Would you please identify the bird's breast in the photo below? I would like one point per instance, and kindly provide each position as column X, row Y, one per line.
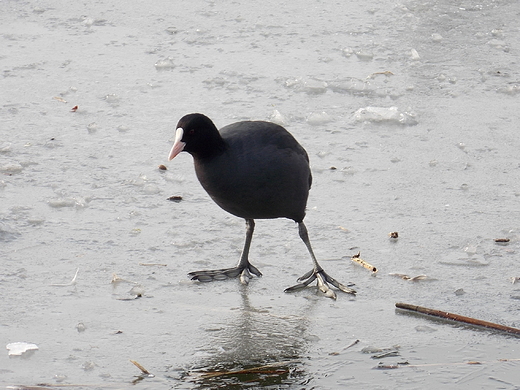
column 252, row 185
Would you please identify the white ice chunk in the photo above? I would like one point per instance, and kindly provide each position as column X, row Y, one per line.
column 165, row 64
column 347, row 52
column 310, row 86
column 19, row 348
column 318, row 118
column 92, row 127
column 5, row 147
column 77, row 202
column 510, row 89
column 278, row 118
column 10, row 168
column 112, row 99
column 436, row 37
column 364, row 55
column 384, row 114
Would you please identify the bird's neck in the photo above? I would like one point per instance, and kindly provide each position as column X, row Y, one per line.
column 210, row 149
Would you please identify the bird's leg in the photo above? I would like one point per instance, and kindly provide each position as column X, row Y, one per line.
column 317, row 273
column 244, row 265
column 244, row 268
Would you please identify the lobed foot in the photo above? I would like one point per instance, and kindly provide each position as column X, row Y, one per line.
column 322, row 279
column 244, row 272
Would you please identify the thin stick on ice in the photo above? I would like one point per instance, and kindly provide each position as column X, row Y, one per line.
column 457, row 317
column 144, row 371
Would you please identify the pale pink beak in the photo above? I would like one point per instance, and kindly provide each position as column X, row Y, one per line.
column 178, row 145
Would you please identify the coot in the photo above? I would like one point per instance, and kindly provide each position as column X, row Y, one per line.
column 254, row 170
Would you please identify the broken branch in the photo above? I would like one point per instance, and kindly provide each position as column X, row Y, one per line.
column 457, row 317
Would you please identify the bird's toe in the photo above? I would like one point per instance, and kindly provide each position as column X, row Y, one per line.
column 338, row 285
column 243, row 272
column 322, row 281
column 324, row 287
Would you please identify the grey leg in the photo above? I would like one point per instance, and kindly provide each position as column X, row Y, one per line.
column 317, row 273
column 244, row 268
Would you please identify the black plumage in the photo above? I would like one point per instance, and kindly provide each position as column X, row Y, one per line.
column 254, row 170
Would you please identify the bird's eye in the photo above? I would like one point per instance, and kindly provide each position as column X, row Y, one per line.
column 191, row 131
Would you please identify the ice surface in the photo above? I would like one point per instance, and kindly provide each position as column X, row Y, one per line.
column 423, row 142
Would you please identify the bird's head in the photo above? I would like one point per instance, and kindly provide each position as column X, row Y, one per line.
column 197, row 135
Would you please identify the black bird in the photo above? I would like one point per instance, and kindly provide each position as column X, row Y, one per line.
column 254, row 170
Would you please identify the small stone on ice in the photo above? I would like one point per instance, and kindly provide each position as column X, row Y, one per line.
column 459, row 292
column 81, row 327
column 88, row 366
column 138, row 291
column 171, row 30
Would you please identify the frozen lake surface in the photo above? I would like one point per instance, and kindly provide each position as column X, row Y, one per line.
column 409, row 113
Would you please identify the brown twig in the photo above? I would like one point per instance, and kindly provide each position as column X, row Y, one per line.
column 363, row 263
column 261, row 369
column 457, row 317
column 351, row 345
column 344, row 349
column 143, row 370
